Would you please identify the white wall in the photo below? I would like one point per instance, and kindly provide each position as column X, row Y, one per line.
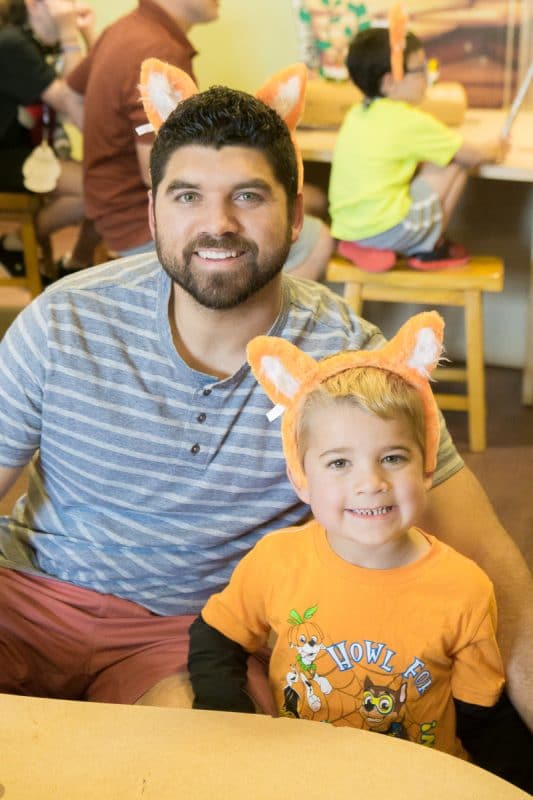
column 250, row 40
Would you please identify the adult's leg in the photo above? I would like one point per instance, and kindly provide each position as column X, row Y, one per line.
column 175, row 691
column 82, row 255
column 64, row 206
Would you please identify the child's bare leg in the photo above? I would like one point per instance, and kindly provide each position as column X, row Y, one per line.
column 449, row 183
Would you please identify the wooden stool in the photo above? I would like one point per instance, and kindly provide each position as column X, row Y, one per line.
column 462, row 286
column 21, row 208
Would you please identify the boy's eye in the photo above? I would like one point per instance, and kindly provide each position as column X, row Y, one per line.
column 338, row 463
column 394, row 458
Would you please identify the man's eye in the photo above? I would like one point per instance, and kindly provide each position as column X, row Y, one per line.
column 249, row 197
column 186, row 197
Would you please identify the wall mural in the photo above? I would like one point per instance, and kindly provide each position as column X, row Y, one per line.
column 486, row 45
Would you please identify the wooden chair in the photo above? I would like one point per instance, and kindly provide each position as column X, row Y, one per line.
column 461, row 286
column 21, row 209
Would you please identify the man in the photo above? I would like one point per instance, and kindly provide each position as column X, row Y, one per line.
column 154, row 467
column 116, row 160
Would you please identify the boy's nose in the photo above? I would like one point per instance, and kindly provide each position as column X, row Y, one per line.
column 370, row 481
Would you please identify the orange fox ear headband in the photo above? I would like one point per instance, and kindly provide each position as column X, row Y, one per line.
column 397, row 34
column 163, row 87
column 288, row 375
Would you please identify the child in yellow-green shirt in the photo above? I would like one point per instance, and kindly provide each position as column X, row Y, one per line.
column 397, row 172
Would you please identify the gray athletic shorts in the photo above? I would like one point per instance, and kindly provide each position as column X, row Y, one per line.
column 419, row 231
column 304, row 244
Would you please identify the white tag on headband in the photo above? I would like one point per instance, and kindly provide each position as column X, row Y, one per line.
column 275, row 412
column 140, row 130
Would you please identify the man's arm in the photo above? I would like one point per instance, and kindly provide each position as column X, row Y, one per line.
column 459, row 512
column 217, row 667
column 62, row 98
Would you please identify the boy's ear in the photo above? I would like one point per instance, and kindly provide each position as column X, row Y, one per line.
column 301, row 491
column 387, row 84
column 428, row 480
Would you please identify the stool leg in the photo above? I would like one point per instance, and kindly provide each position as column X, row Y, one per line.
column 353, row 294
column 31, row 258
column 475, row 371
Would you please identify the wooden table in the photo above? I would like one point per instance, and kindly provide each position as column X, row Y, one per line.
column 480, row 124
column 60, row 750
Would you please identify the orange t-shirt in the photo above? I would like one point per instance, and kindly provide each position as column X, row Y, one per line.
column 384, row 650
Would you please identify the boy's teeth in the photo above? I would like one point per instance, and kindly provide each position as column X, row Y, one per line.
column 371, row 512
column 217, row 254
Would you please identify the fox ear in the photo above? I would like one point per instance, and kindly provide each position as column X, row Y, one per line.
column 285, row 93
column 280, row 367
column 417, row 347
column 397, row 34
column 162, row 88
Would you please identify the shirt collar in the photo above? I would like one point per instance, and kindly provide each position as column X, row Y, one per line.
column 153, row 11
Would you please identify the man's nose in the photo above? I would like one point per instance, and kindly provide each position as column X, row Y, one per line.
column 221, row 218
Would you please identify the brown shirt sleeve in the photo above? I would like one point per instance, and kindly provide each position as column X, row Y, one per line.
column 78, row 77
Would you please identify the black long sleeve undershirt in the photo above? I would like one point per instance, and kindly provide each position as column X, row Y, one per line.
column 217, row 666
column 497, row 740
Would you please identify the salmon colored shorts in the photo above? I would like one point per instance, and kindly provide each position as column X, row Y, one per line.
column 59, row 640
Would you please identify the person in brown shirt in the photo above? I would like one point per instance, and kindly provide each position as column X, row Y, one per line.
column 116, row 169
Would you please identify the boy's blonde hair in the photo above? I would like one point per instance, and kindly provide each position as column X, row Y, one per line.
column 289, row 375
column 376, row 391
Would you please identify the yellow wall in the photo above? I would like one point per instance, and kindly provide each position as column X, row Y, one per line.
column 251, row 39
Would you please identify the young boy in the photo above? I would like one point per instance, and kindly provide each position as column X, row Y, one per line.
column 379, row 626
column 385, row 198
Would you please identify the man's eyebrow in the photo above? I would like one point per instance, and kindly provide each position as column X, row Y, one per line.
column 177, row 184
column 253, row 183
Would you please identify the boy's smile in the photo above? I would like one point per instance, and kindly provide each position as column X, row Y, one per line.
column 365, row 484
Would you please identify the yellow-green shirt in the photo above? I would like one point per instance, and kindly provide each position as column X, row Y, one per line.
column 377, row 152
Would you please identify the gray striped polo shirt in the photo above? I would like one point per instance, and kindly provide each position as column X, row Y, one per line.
column 148, row 480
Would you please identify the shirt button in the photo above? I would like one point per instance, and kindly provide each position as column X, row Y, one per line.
column 201, row 417
column 195, row 449
column 206, row 392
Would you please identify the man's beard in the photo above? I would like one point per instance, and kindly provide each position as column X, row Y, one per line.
column 225, row 289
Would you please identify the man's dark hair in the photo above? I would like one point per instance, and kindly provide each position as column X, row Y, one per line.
column 221, row 117
column 368, row 58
